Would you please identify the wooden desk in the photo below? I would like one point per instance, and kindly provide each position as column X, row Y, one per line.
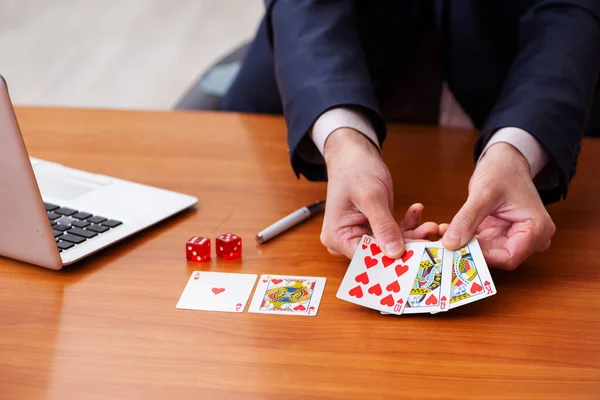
column 107, row 328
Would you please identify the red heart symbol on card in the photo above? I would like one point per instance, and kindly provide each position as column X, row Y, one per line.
column 238, row 306
column 217, row 290
column 443, row 298
column 375, row 249
column 299, row 307
column 276, row 281
column 362, row 278
column 370, row 262
column 265, row 280
column 393, row 287
column 376, row 290
column 401, row 270
column 356, row 292
column 400, row 301
column 387, row 301
column 431, row 300
column 486, row 283
column 407, row 254
column 387, row 261
column 311, row 309
column 476, row 288
column 364, row 246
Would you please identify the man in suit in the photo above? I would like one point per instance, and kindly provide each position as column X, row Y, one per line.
column 525, row 72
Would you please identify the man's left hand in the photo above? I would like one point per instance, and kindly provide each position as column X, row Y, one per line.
column 504, row 209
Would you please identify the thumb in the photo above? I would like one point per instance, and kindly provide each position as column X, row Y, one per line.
column 465, row 222
column 385, row 229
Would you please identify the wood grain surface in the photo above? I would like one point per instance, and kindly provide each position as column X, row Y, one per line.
column 107, row 328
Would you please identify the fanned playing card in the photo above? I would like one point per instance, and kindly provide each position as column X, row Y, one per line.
column 376, row 281
column 217, row 291
column 427, row 294
column 288, row 295
column 470, row 278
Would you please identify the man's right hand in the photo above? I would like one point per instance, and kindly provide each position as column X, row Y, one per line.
column 360, row 199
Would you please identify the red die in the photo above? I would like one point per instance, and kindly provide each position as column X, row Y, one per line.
column 197, row 249
column 228, row 246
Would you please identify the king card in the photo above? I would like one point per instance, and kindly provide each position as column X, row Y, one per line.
column 470, row 278
column 287, row 295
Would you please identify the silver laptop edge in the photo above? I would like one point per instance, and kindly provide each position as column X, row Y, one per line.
column 25, row 232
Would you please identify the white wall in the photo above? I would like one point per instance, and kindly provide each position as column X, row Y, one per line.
column 116, row 53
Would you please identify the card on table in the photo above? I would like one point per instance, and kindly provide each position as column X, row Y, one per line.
column 217, row 291
column 376, row 281
column 287, row 295
column 429, row 292
column 470, row 278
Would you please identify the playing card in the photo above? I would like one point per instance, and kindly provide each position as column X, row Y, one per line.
column 434, row 270
column 287, row 295
column 376, row 281
column 470, row 278
column 217, row 291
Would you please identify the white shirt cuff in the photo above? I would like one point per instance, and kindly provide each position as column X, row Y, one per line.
column 341, row 117
column 523, row 141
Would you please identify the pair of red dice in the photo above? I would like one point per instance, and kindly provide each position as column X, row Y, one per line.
column 227, row 246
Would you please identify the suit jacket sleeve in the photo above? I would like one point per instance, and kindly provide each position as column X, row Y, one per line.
column 319, row 64
column 550, row 87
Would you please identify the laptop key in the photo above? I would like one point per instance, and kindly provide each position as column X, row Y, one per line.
column 52, row 216
column 61, row 227
column 111, row 223
column 56, row 233
column 72, row 238
column 65, row 211
column 64, row 245
column 97, row 228
column 66, row 221
column 83, row 233
column 81, row 215
column 96, row 219
column 80, row 224
column 50, row 207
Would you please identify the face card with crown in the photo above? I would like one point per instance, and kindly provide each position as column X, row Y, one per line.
column 470, row 278
column 427, row 294
column 288, row 295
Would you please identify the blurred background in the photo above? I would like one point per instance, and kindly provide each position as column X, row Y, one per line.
column 135, row 54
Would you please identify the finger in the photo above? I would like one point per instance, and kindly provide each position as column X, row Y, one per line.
column 412, row 219
column 516, row 249
column 443, row 229
column 385, row 229
column 343, row 241
column 464, row 224
column 423, row 231
column 544, row 246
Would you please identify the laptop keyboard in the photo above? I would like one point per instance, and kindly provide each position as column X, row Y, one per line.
column 73, row 227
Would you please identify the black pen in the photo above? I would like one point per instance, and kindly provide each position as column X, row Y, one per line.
column 289, row 221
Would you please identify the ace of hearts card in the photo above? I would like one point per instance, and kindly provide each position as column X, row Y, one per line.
column 287, row 295
column 217, row 291
column 379, row 282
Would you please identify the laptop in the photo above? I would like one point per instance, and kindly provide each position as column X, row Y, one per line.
column 52, row 215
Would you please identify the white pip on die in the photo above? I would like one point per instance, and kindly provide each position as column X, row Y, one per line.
column 228, row 246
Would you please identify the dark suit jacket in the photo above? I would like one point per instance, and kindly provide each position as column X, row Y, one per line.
column 531, row 64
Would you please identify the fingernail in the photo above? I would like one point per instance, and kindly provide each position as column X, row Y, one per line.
column 393, row 249
column 451, row 240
